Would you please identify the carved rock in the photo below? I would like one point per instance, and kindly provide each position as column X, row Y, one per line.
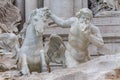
column 102, row 68
column 6, row 62
column 9, row 15
column 55, row 51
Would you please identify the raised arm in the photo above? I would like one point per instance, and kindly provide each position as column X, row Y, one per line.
column 62, row 23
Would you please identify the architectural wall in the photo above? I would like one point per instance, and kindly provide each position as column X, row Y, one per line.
column 65, row 8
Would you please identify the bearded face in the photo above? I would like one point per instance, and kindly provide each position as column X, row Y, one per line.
column 84, row 15
column 84, row 19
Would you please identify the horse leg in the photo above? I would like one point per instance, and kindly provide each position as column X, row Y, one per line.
column 24, row 65
column 48, row 63
column 64, row 63
column 48, row 68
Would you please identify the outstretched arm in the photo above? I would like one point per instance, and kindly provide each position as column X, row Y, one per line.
column 62, row 23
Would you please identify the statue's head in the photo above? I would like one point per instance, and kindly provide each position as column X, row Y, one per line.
column 85, row 14
column 38, row 19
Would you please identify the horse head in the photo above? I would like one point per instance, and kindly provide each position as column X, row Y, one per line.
column 38, row 19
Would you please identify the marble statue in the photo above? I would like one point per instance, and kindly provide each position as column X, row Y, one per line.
column 29, row 58
column 82, row 33
column 105, row 8
column 3, row 28
column 9, row 43
column 55, row 51
column 113, row 4
column 10, row 15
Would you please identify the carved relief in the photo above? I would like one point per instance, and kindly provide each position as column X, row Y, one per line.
column 105, row 8
column 55, row 51
column 9, row 15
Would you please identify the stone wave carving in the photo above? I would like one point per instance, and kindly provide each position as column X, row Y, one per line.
column 9, row 15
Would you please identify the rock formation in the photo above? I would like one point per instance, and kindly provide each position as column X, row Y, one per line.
column 9, row 15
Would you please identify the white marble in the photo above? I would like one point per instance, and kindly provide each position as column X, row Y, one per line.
column 29, row 57
column 55, row 51
column 82, row 33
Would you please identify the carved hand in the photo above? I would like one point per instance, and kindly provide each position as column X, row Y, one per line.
column 48, row 12
column 87, row 32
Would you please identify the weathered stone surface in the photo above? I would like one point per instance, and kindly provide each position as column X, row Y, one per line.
column 9, row 15
column 102, row 68
column 6, row 62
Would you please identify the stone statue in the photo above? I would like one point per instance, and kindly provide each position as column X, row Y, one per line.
column 55, row 51
column 113, row 4
column 9, row 43
column 105, row 8
column 82, row 33
column 3, row 28
column 29, row 58
column 9, row 15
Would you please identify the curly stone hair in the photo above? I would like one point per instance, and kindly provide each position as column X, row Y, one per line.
column 85, row 11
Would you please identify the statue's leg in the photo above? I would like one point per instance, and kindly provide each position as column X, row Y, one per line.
column 47, row 62
column 24, row 65
column 87, row 55
column 48, row 68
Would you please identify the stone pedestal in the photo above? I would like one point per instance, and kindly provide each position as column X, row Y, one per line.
column 29, row 6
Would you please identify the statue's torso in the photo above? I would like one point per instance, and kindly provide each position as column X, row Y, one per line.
column 77, row 38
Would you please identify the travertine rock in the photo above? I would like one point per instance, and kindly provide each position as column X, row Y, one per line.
column 9, row 15
column 9, row 43
column 6, row 62
column 102, row 68
column 55, row 51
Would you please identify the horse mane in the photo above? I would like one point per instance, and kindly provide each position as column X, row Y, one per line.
column 39, row 14
column 34, row 12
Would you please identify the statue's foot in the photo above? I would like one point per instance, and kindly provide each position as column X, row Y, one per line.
column 25, row 71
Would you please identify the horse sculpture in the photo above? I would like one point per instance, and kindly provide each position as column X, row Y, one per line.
column 29, row 57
